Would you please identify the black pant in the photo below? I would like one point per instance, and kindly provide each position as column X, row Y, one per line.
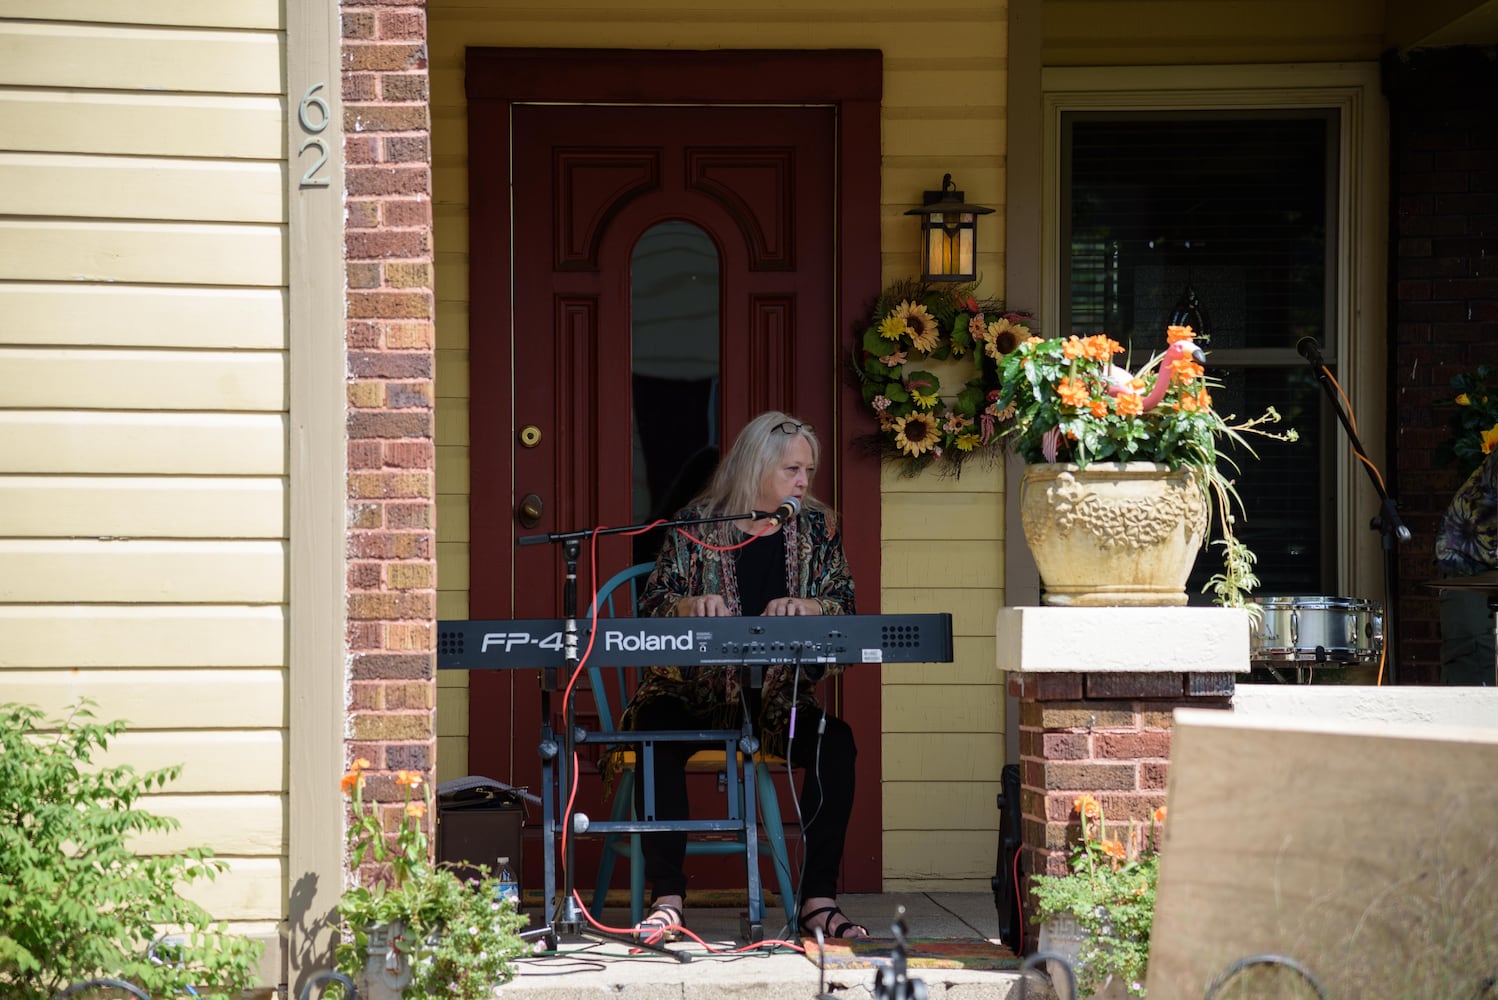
column 826, row 796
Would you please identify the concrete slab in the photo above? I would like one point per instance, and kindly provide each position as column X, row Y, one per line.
column 585, row 969
column 1121, row 640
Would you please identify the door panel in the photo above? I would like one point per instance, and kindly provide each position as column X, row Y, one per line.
column 590, row 182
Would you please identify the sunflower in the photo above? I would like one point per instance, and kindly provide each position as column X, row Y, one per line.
column 1002, row 337
column 916, row 434
column 920, row 326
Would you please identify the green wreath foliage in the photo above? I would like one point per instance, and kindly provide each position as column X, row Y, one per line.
column 923, row 422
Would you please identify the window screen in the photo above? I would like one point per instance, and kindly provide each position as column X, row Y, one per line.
column 1225, row 222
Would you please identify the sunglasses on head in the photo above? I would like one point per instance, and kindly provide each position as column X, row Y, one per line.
column 791, row 427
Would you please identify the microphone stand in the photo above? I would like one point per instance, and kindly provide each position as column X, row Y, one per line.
column 1386, row 522
column 565, row 916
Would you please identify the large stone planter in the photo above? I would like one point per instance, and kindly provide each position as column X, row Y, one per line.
column 1113, row 533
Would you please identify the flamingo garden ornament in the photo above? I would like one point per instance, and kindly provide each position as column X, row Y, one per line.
column 1121, row 381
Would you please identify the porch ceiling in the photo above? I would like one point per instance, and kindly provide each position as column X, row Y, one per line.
column 1442, row 22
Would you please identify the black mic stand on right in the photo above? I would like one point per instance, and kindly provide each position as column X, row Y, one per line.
column 1386, row 522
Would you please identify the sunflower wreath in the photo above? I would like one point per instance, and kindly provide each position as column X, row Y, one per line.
column 921, row 421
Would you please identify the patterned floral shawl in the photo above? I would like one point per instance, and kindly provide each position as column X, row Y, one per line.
column 815, row 568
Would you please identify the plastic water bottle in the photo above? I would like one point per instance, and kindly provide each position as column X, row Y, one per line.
column 509, row 885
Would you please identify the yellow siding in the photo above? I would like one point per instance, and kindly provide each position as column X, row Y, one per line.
column 143, row 315
column 78, row 636
column 1194, row 32
column 134, row 123
column 98, row 379
column 135, row 187
column 143, row 404
column 944, row 111
column 155, row 507
column 196, row 13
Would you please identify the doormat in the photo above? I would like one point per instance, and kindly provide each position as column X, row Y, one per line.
column 920, row 953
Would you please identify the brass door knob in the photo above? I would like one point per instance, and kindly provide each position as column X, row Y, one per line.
column 530, row 511
column 530, row 435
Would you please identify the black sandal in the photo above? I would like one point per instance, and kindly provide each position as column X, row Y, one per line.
column 661, row 926
column 828, row 913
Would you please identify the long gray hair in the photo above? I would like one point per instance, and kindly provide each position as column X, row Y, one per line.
column 759, row 448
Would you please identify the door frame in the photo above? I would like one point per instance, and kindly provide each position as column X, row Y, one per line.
column 851, row 81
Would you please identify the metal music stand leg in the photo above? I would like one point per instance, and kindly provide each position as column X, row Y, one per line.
column 563, row 915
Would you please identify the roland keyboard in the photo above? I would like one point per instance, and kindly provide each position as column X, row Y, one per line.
column 695, row 642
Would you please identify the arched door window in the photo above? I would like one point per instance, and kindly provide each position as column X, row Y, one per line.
column 674, row 361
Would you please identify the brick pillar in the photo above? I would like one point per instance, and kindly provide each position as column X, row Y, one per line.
column 392, row 570
column 1096, row 689
column 1443, row 188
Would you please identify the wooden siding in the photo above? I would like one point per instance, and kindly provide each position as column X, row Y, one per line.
column 1208, row 32
column 944, row 86
column 143, row 404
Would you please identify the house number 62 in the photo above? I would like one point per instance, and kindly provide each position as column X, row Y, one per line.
column 314, row 123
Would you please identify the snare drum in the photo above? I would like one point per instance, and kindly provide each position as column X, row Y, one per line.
column 1328, row 630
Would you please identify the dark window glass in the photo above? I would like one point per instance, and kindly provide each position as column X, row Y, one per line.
column 674, row 338
column 1225, row 222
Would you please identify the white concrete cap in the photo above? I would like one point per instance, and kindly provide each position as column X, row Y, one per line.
column 1123, row 640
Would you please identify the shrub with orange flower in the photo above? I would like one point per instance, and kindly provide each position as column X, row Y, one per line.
column 1064, row 400
column 1110, row 893
column 447, row 938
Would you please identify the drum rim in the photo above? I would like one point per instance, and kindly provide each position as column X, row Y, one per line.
column 1318, row 602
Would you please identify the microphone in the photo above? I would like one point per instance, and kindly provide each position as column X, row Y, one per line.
column 1309, row 349
column 789, row 508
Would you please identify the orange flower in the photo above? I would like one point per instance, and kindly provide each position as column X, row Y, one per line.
column 1074, row 348
column 1101, row 348
column 1204, row 400
column 1130, row 405
column 1185, row 371
column 1099, row 408
column 1113, row 849
column 1188, row 404
column 1087, row 806
column 416, row 810
column 1175, row 333
column 1072, row 392
column 408, row 779
column 1160, row 815
column 354, row 775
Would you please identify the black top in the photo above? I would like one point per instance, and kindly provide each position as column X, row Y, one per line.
column 760, row 567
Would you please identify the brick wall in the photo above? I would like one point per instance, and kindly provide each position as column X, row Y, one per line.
column 392, row 568
column 1104, row 734
column 1443, row 106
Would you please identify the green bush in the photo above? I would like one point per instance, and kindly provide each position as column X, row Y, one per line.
column 75, row 901
column 458, row 936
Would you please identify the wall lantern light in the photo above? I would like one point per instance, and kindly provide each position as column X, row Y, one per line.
column 949, row 234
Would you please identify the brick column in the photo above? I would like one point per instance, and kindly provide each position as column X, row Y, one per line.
column 1096, row 689
column 392, row 570
column 1443, row 134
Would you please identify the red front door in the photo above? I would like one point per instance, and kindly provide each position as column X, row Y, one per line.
column 620, row 370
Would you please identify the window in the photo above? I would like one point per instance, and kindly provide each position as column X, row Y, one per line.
column 1225, row 221
column 1347, row 99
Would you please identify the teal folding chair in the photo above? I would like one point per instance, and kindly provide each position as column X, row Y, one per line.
column 618, row 598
